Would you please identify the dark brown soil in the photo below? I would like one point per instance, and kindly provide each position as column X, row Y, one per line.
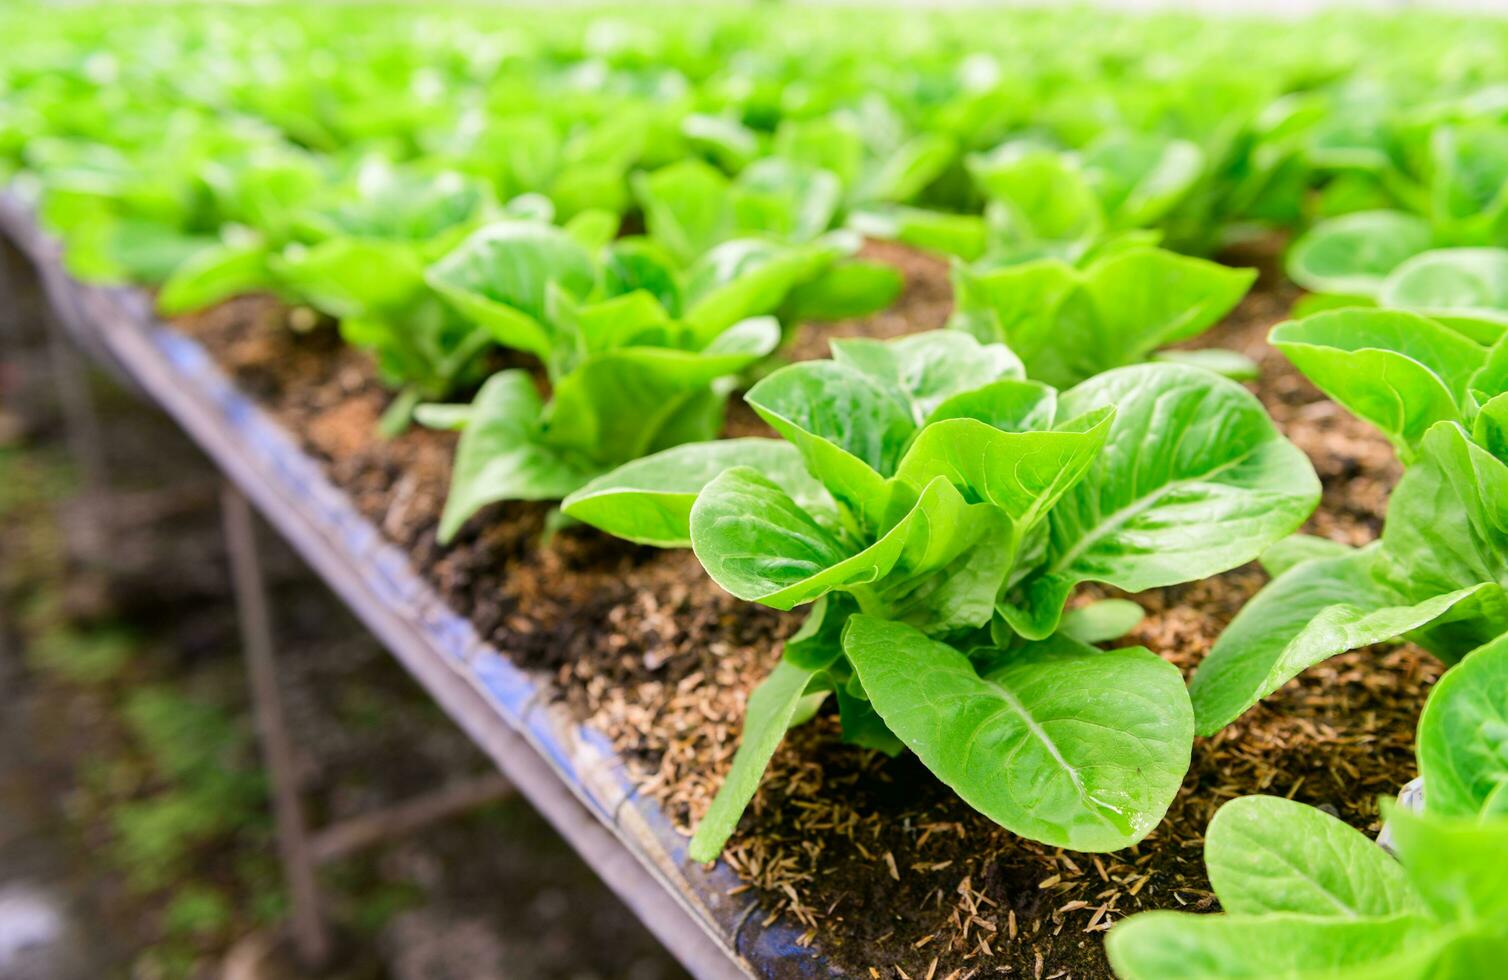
column 888, row 871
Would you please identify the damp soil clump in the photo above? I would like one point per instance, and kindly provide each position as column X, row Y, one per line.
column 884, row 869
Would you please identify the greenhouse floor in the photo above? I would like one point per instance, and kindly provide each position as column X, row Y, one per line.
column 104, row 650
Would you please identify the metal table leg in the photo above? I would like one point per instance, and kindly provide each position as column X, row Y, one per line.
column 310, row 933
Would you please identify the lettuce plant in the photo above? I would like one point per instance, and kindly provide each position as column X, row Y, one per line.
column 938, row 510
column 1460, row 202
column 1046, row 203
column 1068, row 324
column 691, row 209
column 1439, row 573
column 640, row 355
column 1305, row 895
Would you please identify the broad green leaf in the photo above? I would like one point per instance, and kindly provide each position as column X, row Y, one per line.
column 760, row 545
column 830, row 142
column 1149, row 297
column 844, row 291
column 863, row 726
column 818, row 644
column 1068, row 324
column 1490, row 430
column 929, row 368
column 1168, row 945
column 1045, row 194
column 635, row 318
column 1451, row 281
column 1061, row 743
column 1022, row 473
column 1463, row 735
column 728, row 141
column 1469, row 174
column 1353, row 254
column 500, row 276
column 1399, row 371
column 961, row 236
column 746, row 277
column 850, row 428
column 1266, row 854
column 1312, row 612
column 1102, row 620
column 1447, row 524
column 688, row 207
column 1140, row 178
column 613, row 404
column 801, row 199
column 638, row 264
column 1297, row 549
column 906, row 172
column 216, row 274
column 757, row 542
column 593, row 229
column 1026, row 307
column 1194, row 479
column 352, row 277
column 771, row 709
column 1226, row 363
column 648, row 500
column 502, row 456
column 1456, row 864
column 1010, row 405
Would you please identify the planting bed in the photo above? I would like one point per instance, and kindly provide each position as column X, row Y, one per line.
column 872, row 859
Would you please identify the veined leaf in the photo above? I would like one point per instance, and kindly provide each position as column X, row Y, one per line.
column 929, row 368
column 1353, row 255
column 1310, row 613
column 1454, row 863
column 850, row 428
column 757, row 543
column 1061, row 742
column 648, row 500
column 1266, row 854
column 502, row 456
column 1463, row 737
column 499, row 277
column 1193, row 480
column 1399, row 371
column 1185, row 946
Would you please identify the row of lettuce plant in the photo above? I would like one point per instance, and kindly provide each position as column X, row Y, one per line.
column 1064, row 129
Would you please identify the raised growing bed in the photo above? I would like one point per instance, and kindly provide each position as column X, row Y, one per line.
column 620, row 673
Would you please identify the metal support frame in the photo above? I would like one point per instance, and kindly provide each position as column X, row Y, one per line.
column 310, row 935
column 301, row 850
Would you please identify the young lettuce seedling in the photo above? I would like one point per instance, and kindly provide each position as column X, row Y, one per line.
column 1305, row 895
column 640, row 355
column 939, row 509
column 1068, row 324
column 1439, row 573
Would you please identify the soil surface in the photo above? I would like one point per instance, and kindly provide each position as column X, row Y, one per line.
column 888, row 871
